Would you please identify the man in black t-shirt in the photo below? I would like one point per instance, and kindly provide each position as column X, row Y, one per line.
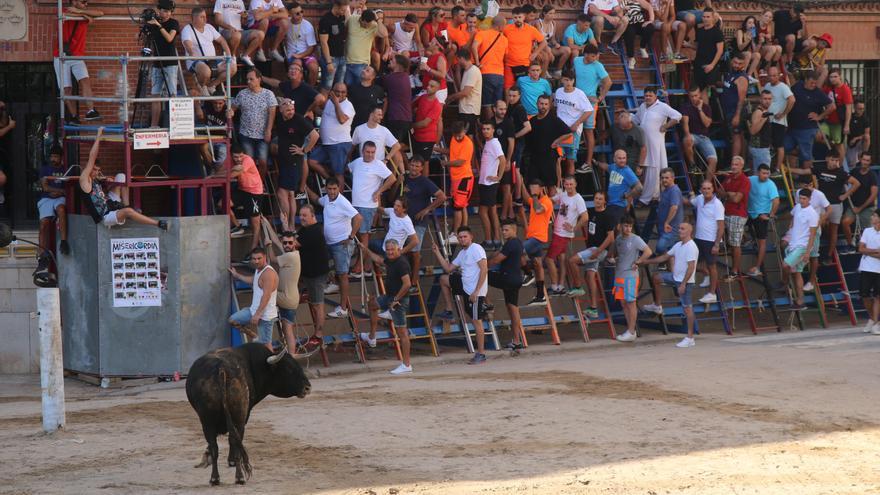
column 316, row 263
column 859, row 138
column 787, row 26
column 548, row 131
column 331, row 45
column 163, row 31
column 422, row 197
column 505, row 131
column 307, row 99
column 710, row 47
column 365, row 96
column 508, row 277
column 296, row 138
column 600, row 236
column 521, row 127
column 863, row 200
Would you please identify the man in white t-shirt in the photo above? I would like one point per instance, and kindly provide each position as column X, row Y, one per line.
column 369, row 179
column 471, row 282
column 340, row 221
column 373, row 130
column 400, row 230
column 574, row 108
column 270, row 17
column 709, row 236
column 301, row 42
column 228, row 15
column 469, row 97
column 802, row 237
column 783, row 102
column 572, row 217
column 492, row 167
column 332, row 156
column 819, row 202
column 198, row 39
column 684, row 254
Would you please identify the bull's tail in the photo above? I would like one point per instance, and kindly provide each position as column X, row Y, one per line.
column 235, row 441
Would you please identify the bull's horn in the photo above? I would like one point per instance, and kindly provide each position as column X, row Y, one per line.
column 274, row 358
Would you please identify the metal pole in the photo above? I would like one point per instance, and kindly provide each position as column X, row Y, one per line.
column 61, row 64
column 51, row 362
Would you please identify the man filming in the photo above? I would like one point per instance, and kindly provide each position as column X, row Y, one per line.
column 162, row 30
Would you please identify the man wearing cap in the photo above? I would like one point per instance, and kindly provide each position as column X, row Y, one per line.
column 163, row 31
column 812, row 52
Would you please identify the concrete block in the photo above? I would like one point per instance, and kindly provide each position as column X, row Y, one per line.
column 23, row 300
column 26, row 278
column 16, row 349
column 35, row 345
column 5, row 301
column 9, row 278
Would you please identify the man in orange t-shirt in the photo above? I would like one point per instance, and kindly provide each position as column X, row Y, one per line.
column 489, row 49
column 461, row 174
column 521, row 51
column 459, row 38
column 247, row 198
column 537, row 234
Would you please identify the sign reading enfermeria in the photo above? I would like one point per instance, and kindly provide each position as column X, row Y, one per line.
column 136, row 279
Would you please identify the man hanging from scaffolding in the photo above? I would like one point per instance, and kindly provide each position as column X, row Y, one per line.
column 109, row 208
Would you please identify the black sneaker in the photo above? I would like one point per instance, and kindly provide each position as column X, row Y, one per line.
column 237, row 231
column 64, row 247
column 528, row 279
column 478, row 358
column 514, row 346
column 610, row 50
column 247, row 259
column 446, row 315
column 93, row 115
column 71, row 119
column 798, row 307
column 538, row 301
column 163, row 225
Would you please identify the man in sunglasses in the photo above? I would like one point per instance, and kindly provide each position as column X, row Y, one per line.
column 289, row 267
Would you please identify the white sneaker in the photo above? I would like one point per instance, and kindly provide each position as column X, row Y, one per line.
column 626, row 336
column 643, row 53
column 876, row 330
column 365, row 338
column 331, row 288
column 686, row 342
column 709, row 298
column 632, row 63
column 386, row 315
column 339, row 312
column 705, row 283
column 247, row 60
column 402, row 369
column 808, row 287
column 276, row 56
column 260, row 56
column 869, row 326
column 452, row 239
column 653, row 308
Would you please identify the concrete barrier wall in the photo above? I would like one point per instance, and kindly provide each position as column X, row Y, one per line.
column 19, row 337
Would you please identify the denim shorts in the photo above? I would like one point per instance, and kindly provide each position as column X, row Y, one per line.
column 287, row 315
column 335, row 155
column 533, row 247
column 704, row 145
column 493, row 89
column 802, row 139
column 591, row 265
column 398, row 314
column 759, row 156
column 353, row 74
column 48, row 206
column 570, row 150
column 220, row 152
column 341, row 253
column 367, row 222
column 698, row 14
column 254, row 148
column 158, row 86
column 420, row 235
column 264, row 327
column 666, row 240
column 683, row 299
column 328, row 79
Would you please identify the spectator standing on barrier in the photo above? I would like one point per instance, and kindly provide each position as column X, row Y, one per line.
column 296, row 139
column 247, row 197
column 163, row 31
column 859, row 138
column 489, row 49
column 313, row 248
column 469, row 97
column 73, row 37
column 838, row 124
column 591, row 78
column 819, row 202
column 52, row 203
column 630, row 138
column 300, row 43
column 366, row 95
column 492, row 167
column 600, row 237
column 257, row 106
column 670, row 212
column 710, row 48
column 508, row 277
column 655, row 118
column 623, row 186
column 289, row 269
column 572, row 217
column 781, row 106
column 399, row 115
column 734, row 192
column 428, row 125
column 684, row 255
column 574, row 108
column 540, row 212
column 869, row 273
column 331, row 157
column 461, row 175
column 332, row 34
column 470, row 282
column 630, row 252
column 362, row 29
column 422, row 198
column 547, row 134
column 804, row 236
column 341, row 223
column 709, row 236
column 109, row 208
column 369, row 179
column 763, row 203
column 863, row 200
column 270, row 17
column 761, row 131
column 735, row 85
column 394, row 303
column 198, row 40
column 524, row 43
column 263, row 310
column 811, row 106
column 696, row 118
column 228, row 15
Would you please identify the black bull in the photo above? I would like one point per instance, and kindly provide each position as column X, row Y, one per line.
column 224, row 385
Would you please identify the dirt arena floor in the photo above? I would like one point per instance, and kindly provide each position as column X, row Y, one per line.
column 793, row 413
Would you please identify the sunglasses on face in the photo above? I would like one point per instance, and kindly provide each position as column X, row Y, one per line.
column 287, row 243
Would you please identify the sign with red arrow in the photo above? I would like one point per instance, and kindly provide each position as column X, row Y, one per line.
column 150, row 140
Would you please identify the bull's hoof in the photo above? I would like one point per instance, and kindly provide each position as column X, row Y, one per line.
column 215, row 481
column 239, row 482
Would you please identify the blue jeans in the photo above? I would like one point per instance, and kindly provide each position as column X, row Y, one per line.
column 287, row 315
column 802, row 139
column 254, row 148
column 420, row 235
column 493, row 89
column 666, row 239
column 353, row 73
column 760, row 156
column 533, row 247
column 367, row 223
column 341, row 253
column 398, row 314
column 264, row 327
column 334, row 155
column 684, row 299
column 704, row 145
column 328, row 79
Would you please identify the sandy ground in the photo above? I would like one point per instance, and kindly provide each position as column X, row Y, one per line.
column 794, row 413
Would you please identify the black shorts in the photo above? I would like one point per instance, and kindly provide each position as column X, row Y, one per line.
column 290, row 174
column 488, row 194
column 759, row 227
column 705, row 248
column 511, row 291
column 245, row 204
column 869, row 284
column 423, row 149
column 507, row 178
column 777, row 135
column 477, row 312
column 545, row 169
column 400, row 130
column 704, row 80
column 519, row 71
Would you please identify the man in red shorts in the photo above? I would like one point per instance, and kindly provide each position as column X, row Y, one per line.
column 461, row 174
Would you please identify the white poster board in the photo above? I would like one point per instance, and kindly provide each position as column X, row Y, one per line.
column 136, row 275
column 181, row 118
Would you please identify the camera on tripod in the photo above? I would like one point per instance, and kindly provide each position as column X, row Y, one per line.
column 148, row 15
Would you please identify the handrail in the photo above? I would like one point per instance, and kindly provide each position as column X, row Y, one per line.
column 142, row 58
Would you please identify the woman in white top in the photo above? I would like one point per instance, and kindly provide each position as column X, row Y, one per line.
column 547, row 25
column 869, row 273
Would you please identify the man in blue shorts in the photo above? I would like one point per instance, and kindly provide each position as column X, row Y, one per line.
column 626, row 274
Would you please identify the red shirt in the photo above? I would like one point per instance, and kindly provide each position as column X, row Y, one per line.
column 841, row 96
column 249, row 181
column 74, row 34
column 740, row 184
column 425, row 109
column 432, row 63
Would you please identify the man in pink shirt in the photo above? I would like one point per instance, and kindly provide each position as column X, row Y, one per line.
column 247, row 198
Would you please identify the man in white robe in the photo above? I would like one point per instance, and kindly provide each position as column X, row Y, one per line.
column 655, row 118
